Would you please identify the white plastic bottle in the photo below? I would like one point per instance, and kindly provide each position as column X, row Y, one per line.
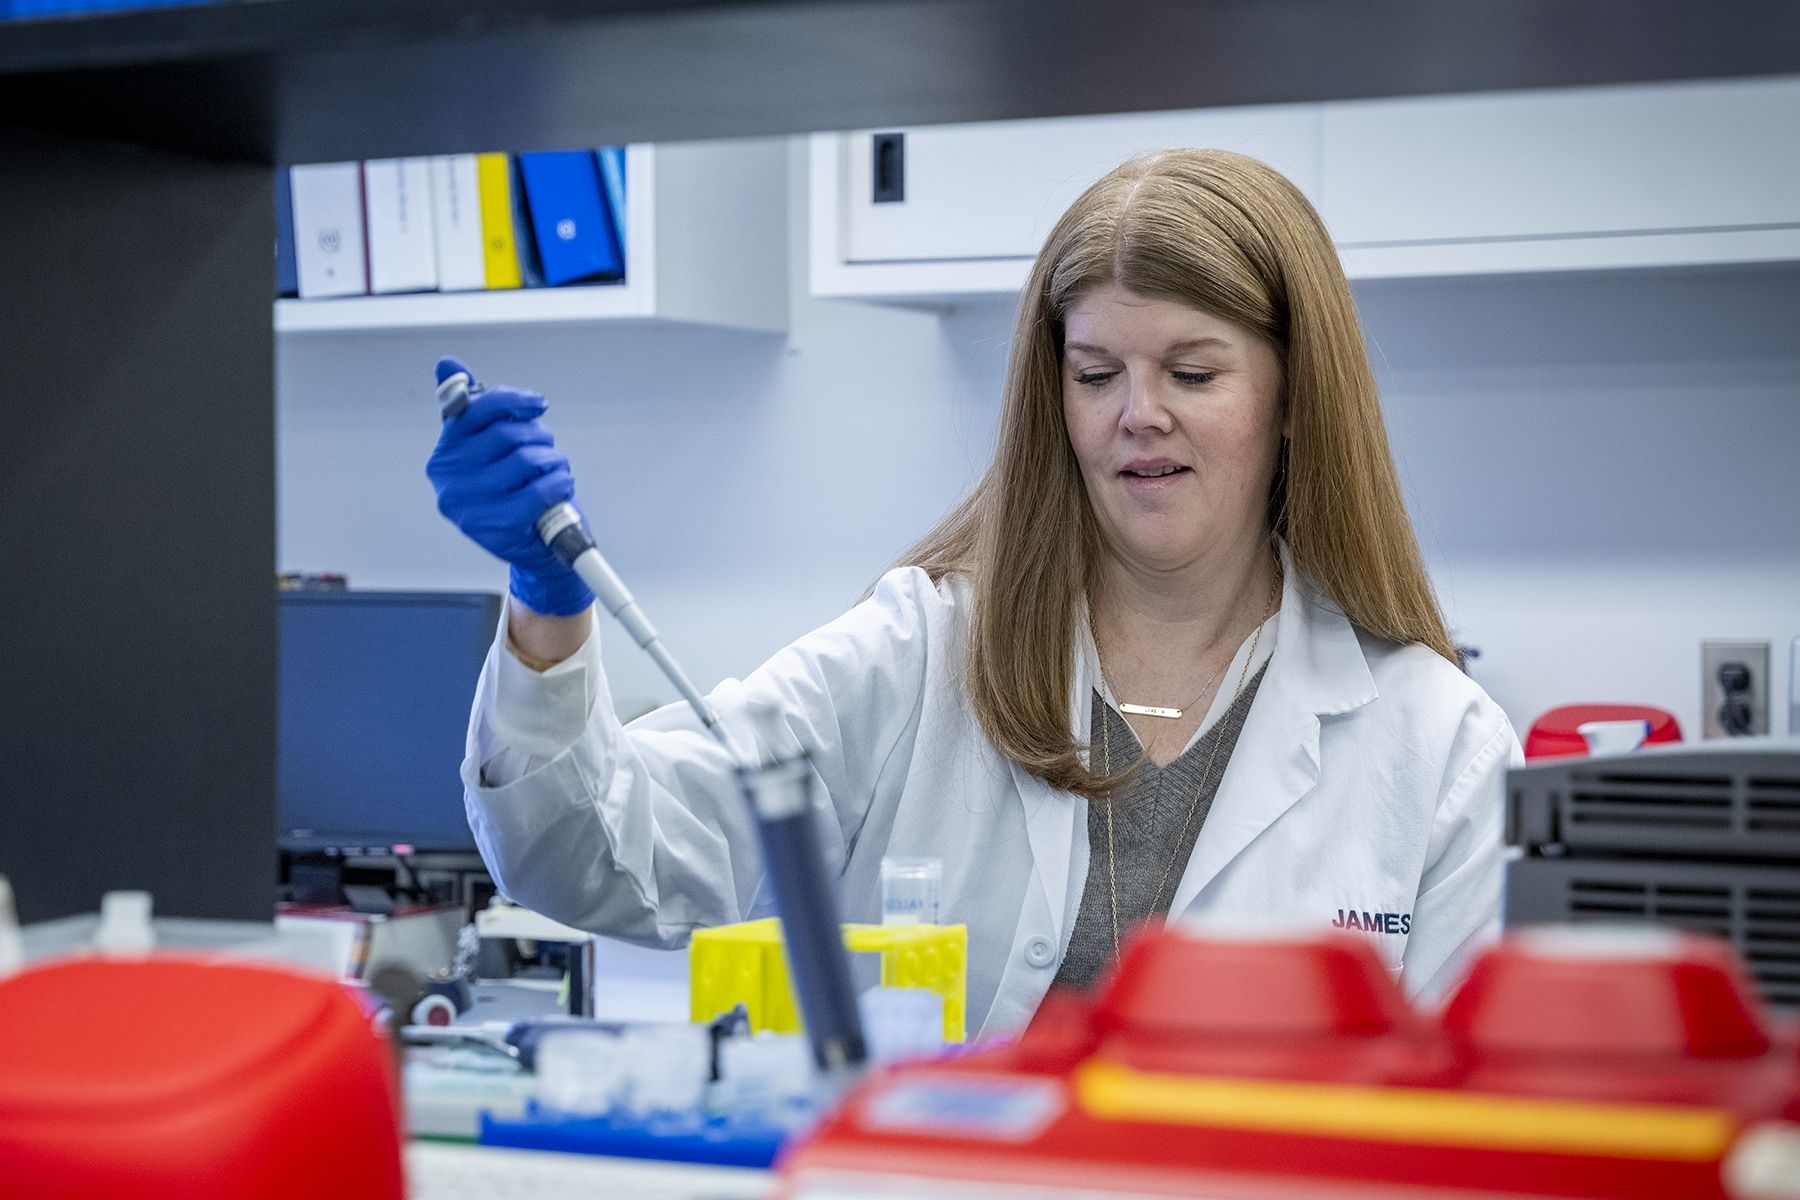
column 12, row 942
column 125, row 928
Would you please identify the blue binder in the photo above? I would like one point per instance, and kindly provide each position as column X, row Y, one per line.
column 525, row 242
column 612, row 175
column 574, row 235
column 287, row 268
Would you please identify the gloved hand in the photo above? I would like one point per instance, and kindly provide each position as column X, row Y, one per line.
column 496, row 470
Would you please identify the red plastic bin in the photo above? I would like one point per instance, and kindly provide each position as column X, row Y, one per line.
column 1557, row 734
column 170, row 1076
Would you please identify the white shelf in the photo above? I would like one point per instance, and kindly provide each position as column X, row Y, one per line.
column 1621, row 251
column 523, row 306
column 705, row 234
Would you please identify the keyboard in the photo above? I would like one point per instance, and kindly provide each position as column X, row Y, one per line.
column 452, row 1171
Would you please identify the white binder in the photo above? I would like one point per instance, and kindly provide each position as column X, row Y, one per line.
column 328, row 230
column 456, row 209
column 402, row 251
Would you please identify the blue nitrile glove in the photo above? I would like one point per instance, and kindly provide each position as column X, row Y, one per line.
column 496, row 470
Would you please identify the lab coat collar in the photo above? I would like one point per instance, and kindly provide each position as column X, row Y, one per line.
column 1318, row 659
column 1318, row 670
column 1325, row 661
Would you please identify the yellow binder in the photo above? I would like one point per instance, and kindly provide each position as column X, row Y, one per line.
column 499, row 249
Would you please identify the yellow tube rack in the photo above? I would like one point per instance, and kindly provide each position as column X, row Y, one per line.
column 744, row 963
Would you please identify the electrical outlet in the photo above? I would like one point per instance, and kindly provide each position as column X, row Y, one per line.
column 1753, row 657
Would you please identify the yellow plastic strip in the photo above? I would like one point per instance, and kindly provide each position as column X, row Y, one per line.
column 1413, row 1115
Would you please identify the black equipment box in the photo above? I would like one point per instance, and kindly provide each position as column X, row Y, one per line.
column 1699, row 837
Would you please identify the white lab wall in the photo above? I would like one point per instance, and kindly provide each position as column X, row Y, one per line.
column 746, row 486
column 1601, row 467
column 1602, row 472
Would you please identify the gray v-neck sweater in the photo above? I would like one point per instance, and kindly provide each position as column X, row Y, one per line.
column 1147, row 823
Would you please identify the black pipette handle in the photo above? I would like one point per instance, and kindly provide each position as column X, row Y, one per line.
column 780, row 796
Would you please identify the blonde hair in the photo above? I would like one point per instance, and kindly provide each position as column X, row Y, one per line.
column 1224, row 233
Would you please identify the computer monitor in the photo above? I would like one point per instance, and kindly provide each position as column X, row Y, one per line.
column 375, row 690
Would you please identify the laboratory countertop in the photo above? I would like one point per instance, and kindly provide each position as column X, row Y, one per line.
column 447, row 1171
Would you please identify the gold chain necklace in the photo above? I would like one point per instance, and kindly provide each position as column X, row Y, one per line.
column 1112, row 875
column 1149, row 710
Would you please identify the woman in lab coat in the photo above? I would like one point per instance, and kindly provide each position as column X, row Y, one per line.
column 1176, row 653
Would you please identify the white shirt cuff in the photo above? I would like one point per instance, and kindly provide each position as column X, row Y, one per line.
column 539, row 714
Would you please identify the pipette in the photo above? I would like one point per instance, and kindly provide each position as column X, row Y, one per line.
column 562, row 529
column 779, row 796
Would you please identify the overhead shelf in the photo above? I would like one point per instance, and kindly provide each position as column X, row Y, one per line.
column 705, row 243
column 322, row 80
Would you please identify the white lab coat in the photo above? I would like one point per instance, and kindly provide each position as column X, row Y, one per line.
column 1368, row 780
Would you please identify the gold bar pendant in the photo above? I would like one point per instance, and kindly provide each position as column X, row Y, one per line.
column 1150, row 710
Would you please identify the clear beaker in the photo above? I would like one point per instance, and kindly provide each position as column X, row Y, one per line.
column 909, row 890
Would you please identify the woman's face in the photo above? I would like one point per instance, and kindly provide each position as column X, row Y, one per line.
column 1175, row 417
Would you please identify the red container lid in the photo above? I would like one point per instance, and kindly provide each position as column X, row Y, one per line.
column 1557, row 734
column 1614, row 991
column 1192, row 981
column 170, row 1076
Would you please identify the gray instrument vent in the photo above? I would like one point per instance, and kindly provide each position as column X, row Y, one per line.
column 1763, row 922
column 1697, row 837
column 1756, row 908
column 1741, row 806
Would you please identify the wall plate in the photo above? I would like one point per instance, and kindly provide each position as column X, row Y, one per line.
column 1755, row 656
